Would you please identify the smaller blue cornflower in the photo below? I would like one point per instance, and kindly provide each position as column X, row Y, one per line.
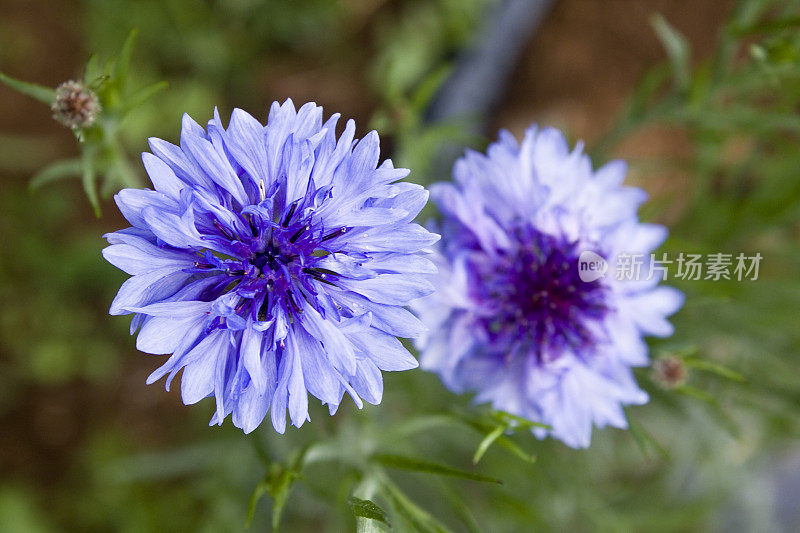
column 525, row 315
column 272, row 262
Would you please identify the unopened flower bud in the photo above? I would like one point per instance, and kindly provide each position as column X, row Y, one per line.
column 76, row 106
column 669, row 372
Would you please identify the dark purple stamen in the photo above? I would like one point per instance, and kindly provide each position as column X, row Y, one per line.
column 222, row 229
column 299, row 232
column 292, row 302
column 321, row 274
column 272, row 263
column 333, row 234
column 263, row 310
column 537, row 296
column 250, row 223
column 290, row 213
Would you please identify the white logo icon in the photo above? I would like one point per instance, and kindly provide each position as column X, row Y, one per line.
column 591, row 266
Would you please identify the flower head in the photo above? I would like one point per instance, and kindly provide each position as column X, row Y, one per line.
column 76, row 106
column 669, row 371
column 272, row 261
column 516, row 319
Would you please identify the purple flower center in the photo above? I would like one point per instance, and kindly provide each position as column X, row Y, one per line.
column 535, row 299
column 267, row 258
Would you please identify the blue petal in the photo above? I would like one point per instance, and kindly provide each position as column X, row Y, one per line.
column 197, row 381
column 147, row 288
column 177, row 231
column 219, row 170
column 163, row 178
column 281, row 396
column 336, row 345
column 246, row 139
column 145, row 257
column 164, row 335
column 250, row 409
column 384, row 350
column 405, row 238
column 133, row 202
column 391, row 289
column 184, row 167
column 251, row 349
column 389, row 318
column 368, row 382
column 298, row 396
column 318, row 373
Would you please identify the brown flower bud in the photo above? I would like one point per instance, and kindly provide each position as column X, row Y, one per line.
column 76, row 106
column 669, row 372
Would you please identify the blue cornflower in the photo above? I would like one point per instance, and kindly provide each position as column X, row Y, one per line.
column 513, row 319
column 272, row 261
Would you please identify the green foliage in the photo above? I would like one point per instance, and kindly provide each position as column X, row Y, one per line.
column 677, row 48
column 102, row 151
column 739, row 110
column 408, row 463
column 40, row 274
column 410, row 67
column 19, row 512
column 418, row 465
column 278, row 482
column 45, row 95
column 63, row 168
column 367, row 513
column 415, row 516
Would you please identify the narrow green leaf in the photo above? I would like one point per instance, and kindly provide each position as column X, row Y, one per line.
column 46, row 95
column 368, row 509
column 88, row 179
column 108, row 68
column 699, row 394
column 92, row 73
column 277, row 483
column 724, row 418
column 514, row 448
column 461, row 508
column 502, row 440
column 258, row 492
column 281, row 494
column 518, row 422
column 142, row 95
column 427, row 88
column 401, row 462
column 486, row 443
column 768, row 26
column 644, row 440
column 61, row 169
column 677, row 48
column 123, row 63
column 419, row 518
column 714, row 368
column 647, row 89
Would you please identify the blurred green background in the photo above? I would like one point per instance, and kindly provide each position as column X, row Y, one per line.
column 703, row 102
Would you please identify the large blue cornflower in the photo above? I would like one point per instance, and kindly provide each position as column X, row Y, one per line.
column 512, row 319
column 272, row 261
